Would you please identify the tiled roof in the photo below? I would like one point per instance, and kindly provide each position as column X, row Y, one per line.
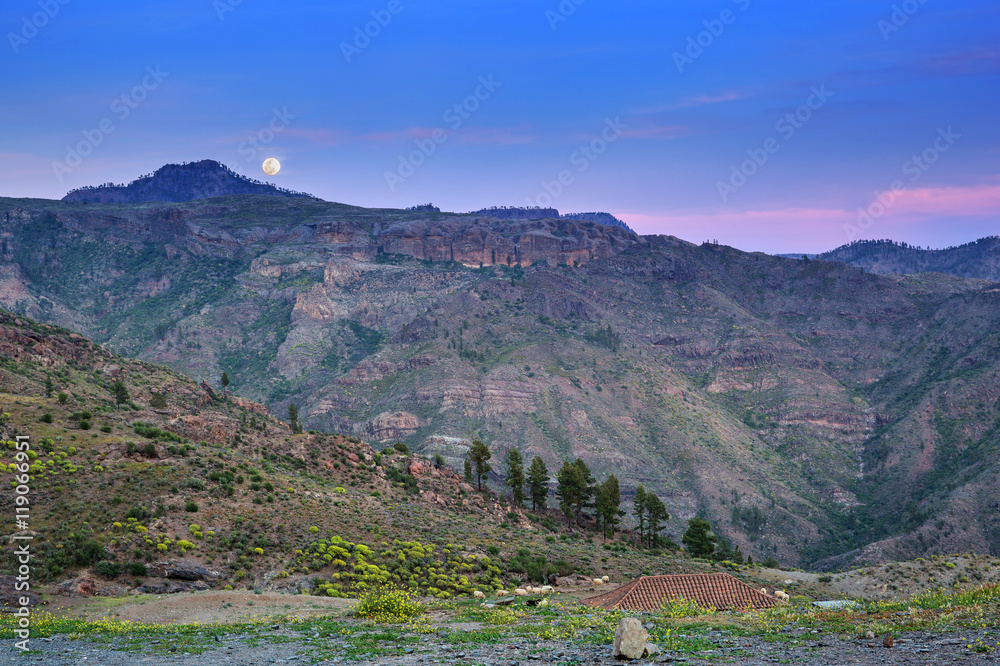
column 716, row 590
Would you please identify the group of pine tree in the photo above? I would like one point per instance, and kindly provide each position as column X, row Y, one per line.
column 581, row 497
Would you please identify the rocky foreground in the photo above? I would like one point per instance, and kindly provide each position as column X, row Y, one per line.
column 279, row 647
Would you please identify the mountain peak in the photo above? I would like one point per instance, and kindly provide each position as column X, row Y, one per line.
column 180, row 182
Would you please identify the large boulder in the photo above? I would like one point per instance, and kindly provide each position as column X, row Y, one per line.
column 630, row 639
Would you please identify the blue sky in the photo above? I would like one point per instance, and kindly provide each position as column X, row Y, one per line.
column 674, row 116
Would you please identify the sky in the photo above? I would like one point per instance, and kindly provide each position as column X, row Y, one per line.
column 769, row 126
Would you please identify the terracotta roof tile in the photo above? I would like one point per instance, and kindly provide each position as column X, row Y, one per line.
column 716, row 590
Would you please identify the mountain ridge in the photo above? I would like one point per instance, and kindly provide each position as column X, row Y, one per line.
column 801, row 388
column 178, row 183
column 979, row 259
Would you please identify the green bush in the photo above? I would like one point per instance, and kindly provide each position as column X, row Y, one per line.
column 84, row 425
column 106, row 429
column 402, row 448
column 107, row 569
column 191, row 506
column 137, row 568
column 46, row 417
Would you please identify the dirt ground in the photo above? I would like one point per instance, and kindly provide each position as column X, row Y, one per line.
column 209, row 607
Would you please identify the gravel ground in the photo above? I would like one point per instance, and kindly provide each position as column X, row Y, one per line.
column 914, row 648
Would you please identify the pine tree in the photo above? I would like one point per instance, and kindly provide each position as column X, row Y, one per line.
column 698, row 539
column 607, row 502
column 293, row 418
column 225, row 382
column 587, row 487
column 723, row 551
column 480, row 455
column 468, row 470
column 49, row 387
column 656, row 513
column 119, row 391
column 570, row 489
column 600, row 507
column 515, row 476
column 639, row 511
column 538, row 483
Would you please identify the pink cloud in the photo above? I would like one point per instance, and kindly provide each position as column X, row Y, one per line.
column 504, row 136
column 948, row 201
column 705, row 100
column 411, row 133
column 806, row 229
column 318, row 135
column 657, row 132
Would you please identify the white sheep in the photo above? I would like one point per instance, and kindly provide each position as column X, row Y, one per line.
column 781, row 595
column 606, row 579
column 763, row 590
column 521, row 592
column 547, row 589
column 502, row 593
column 478, row 595
column 598, row 581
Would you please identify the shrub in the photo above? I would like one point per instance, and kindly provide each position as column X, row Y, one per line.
column 388, row 605
column 137, row 569
column 84, row 425
column 46, row 417
column 63, row 397
column 107, row 569
column 106, row 429
column 402, row 448
column 191, row 506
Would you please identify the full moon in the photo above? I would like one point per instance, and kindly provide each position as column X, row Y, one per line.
column 271, row 166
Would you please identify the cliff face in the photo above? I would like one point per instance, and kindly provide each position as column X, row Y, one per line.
column 477, row 242
column 809, row 409
column 177, row 183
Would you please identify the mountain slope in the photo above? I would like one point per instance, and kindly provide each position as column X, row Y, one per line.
column 178, row 183
column 757, row 391
column 181, row 487
column 980, row 259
